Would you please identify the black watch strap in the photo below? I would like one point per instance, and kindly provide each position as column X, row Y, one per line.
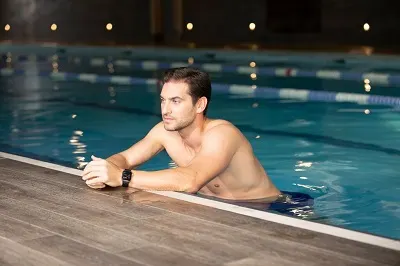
column 126, row 177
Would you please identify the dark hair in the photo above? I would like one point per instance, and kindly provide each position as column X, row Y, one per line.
column 199, row 82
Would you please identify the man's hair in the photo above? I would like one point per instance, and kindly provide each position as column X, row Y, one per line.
column 198, row 81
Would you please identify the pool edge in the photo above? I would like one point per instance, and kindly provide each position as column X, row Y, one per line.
column 277, row 218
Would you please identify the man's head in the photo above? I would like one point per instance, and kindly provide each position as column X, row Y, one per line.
column 185, row 95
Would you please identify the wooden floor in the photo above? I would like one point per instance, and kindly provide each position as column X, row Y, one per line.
column 51, row 218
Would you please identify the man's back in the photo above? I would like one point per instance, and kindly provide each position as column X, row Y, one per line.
column 243, row 178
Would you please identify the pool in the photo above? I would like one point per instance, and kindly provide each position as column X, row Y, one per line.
column 343, row 153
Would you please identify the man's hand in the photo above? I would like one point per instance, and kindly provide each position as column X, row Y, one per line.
column 97, row 185
column 100, row 172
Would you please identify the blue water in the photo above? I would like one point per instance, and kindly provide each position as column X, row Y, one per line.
column 347, row 160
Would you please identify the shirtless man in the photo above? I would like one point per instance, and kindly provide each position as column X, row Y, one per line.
column 213, row 157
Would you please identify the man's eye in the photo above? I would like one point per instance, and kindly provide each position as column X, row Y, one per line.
column 176, row 101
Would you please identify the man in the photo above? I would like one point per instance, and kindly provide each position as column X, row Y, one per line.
column 213, row 157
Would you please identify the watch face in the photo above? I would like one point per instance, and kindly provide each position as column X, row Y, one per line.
column 126, row 175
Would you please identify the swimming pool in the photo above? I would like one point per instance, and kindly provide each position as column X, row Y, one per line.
column 344, row 154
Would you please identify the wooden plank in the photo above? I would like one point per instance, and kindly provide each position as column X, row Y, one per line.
column 263, row 259
column 15, row 254
column 42, row 172
column 161, row 256
column 125, row 235
column 198, row 246
column 76, row 253
column 251, row 243
column 153, row 232
column 62, row 192
column 183, row 207
column 286, row 258
column 277, row 231
column 31, row 194
column 17, row 231
column 344, row 247
column 86, row 233
column 197, row 233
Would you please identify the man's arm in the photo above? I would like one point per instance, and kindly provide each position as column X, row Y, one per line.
column 218, row 147
column 141, row 151
column 130, row 158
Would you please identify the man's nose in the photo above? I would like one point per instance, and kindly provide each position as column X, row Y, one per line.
column 166, row 108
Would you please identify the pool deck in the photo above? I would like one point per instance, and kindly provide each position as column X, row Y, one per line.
column 50, row 217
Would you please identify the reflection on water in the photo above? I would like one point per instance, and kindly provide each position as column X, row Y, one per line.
column 79, row 148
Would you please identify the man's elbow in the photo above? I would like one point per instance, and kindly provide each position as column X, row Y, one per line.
column 191, row 188
column 190, row 182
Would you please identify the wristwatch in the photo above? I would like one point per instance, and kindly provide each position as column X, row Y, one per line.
column 126, row 177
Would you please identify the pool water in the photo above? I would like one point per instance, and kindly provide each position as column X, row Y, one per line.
column 346, row 156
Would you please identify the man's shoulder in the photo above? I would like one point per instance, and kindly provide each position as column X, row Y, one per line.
column 157, row 131
column 159, row 126
column 220, row 128
column 222, row 136
column 220, row 124
column 160, row 133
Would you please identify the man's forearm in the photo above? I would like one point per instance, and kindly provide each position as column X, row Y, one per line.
column 176, row 179
column 119, row 160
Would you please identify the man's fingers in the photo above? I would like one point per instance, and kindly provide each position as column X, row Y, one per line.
column 93, row 174
column 91, row 166
column 96, row 158
column 97, row 185
column 95, row 180
column 87, row 169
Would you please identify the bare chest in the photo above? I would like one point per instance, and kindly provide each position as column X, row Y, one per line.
column 179, row 153
column 182, row 156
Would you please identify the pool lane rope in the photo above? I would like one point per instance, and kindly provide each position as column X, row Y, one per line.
column 248, row 91
column 152, row 65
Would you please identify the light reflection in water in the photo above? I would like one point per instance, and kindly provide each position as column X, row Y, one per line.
column 172, row 164
column 79, row 148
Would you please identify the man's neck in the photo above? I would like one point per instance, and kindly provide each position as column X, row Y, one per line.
column 192, row 135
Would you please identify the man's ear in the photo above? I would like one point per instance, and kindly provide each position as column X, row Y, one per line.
column 201, row 104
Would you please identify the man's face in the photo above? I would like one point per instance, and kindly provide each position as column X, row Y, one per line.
column 177, row 107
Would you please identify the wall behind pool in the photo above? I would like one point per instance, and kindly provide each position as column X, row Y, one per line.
column 309, row 23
